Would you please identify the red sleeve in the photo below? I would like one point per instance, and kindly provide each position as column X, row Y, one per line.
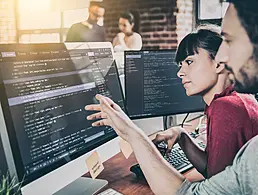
column 226, row 133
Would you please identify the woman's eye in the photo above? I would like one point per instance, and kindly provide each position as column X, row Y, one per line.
column 189, row 62
column 227, row 41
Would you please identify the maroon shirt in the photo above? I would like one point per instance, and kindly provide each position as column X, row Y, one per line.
column 232, row 120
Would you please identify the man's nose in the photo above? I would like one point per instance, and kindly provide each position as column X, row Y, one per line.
column 222, row 56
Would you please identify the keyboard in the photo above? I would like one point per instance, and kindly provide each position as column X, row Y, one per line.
column 110, row 192
column 176, row 157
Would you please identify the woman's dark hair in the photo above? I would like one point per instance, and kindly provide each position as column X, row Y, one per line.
column 206, row 37
column 133, row 17
column 248, row 16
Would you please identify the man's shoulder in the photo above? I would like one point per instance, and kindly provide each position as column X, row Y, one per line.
column 251, row 146
column 247, row 155
column 78, row 25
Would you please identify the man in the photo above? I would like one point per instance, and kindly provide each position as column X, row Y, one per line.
column 239, row 52
column 90, row 30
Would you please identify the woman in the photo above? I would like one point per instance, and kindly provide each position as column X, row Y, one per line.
column 232, row 118
column 128, row 38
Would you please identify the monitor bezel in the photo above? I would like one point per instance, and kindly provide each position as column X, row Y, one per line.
column 10, row 126
column 152, row 115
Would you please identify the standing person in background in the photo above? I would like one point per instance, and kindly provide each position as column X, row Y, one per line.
column 89, row 30
column 128, row 38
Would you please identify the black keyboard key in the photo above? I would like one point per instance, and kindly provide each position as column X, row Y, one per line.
column 181, row 165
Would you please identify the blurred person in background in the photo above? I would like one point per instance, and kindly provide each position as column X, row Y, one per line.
column 128, row 38
column 90, row 30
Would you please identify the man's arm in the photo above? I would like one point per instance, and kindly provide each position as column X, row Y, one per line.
column 70, row 34
column 160, row 175
column 240, row 178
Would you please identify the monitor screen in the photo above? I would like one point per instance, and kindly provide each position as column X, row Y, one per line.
column 44, row 89
column 152, row 87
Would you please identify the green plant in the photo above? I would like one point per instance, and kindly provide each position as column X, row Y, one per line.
column 9, row 185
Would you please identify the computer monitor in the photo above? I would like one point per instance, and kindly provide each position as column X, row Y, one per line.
column 152, row 87
column 44, row 89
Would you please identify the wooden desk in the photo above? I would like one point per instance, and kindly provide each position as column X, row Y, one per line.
column 117, row 173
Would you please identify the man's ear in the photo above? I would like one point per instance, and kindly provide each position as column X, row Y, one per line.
column 220, row 67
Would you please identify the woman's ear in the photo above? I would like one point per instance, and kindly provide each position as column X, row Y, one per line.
column 220, row 67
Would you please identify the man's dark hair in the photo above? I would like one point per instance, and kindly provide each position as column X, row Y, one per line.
column 96, row 3
column 248, row 16
column 132, row 16
column 206, row 37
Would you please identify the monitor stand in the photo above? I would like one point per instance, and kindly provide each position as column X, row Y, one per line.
column 83, row 185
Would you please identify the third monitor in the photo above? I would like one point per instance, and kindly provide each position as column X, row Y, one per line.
column 152, row 87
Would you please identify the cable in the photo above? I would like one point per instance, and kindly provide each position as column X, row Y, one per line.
column 165, row 118
column 182, row 125
column 197, row 129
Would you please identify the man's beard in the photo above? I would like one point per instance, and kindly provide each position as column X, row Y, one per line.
column 248, row 85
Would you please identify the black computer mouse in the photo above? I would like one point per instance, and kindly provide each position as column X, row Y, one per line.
column 136, row 169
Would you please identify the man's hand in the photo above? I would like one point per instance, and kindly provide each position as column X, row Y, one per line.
column 161, row 176
column 110, row 114
column 170, row 136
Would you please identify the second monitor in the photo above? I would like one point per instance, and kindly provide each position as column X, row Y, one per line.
column 152, row 87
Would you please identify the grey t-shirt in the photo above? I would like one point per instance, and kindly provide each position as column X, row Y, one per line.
column 240, row 178
column 81, row 33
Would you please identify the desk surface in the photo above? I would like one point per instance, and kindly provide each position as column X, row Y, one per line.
column 117, row 173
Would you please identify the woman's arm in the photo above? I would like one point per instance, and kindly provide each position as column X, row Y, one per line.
column 197, row 156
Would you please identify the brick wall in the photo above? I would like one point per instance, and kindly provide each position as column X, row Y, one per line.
column 163, row 22
column 7, row 22
column 184, row 18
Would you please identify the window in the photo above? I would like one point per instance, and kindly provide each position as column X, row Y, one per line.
column 74, row 16
column 211, row 11
column 40, row 38
column 7, row 22
column 39, row 22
